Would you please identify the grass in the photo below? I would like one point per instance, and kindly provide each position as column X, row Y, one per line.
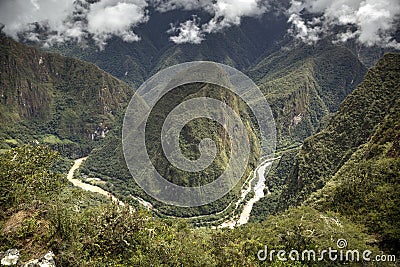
column 11, row 142
column 52, row 140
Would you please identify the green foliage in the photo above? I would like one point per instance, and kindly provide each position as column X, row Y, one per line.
column 82, row 231
column 303, row 84
column 304, row 228
column 117, row 236
column 72, row 99
column 298, row 92
column 25, row 176
column 36, row 205
column 354, row 160
column 366, row 188
column 324, row 153
column 108, row 160
column 60, row 102
column 54, row 100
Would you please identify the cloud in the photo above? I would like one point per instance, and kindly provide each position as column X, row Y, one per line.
column 109, row 18
column 188, row 32
column 302, row 30
column 226, row 13
column 230, row 12
column 370, row 22
column 76, row 20
column 17, row 15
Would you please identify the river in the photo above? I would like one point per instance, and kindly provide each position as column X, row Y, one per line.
column 258, row 189
column 88, row 187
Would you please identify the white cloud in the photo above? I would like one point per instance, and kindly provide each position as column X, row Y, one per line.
column 111, row 17
column 230, row 12
column 16, row 15
column 302, row 31
column 65, row 20
column 226, row 13
column 370, row 22
column 188, row 32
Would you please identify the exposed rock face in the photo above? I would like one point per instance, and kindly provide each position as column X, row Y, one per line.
column 45, row 93
column 9, row 258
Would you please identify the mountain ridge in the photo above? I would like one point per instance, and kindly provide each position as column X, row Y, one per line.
column 48, row 94
column 351, row 134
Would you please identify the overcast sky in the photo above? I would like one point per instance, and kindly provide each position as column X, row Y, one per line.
column 371, row 22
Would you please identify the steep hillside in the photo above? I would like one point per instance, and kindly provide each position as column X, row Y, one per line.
column 303, row 84
column 107, row 160
column 82, row 230
column 68, row 103
column 323, row 154
column 51, row 99
column 300, row 97
column 367, row 187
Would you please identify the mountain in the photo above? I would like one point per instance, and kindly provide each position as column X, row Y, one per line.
column 107, row 160
column 337, row 177
column 324, row 153
column 40, row 212
column 238, row 46
column 62, row 102
column 300, row 96
column 77, row 109
column 366, row 187
column 353, row 164
column 304, row 84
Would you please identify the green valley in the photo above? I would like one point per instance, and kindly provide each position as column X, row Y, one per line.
column 328, row 184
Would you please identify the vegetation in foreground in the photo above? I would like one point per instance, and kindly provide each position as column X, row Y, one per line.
column 41, row 212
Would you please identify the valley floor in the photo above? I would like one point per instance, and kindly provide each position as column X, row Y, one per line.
column 256, row 183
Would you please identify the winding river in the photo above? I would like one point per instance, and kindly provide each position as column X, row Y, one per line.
column 88, row 187
column 258, row 175
column 258, row 189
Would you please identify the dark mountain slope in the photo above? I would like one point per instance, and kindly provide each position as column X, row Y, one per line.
column 323, row 154
column 107, row 160
column 303, row 84
column 53, row 99
column 367, row 187
column 238, row 46
column 296, row 90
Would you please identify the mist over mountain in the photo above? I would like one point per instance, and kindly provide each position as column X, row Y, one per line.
column 369, row 22
column 140, row 37
column 134, row 62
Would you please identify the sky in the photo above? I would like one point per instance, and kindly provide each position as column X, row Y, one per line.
column 370, row 22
